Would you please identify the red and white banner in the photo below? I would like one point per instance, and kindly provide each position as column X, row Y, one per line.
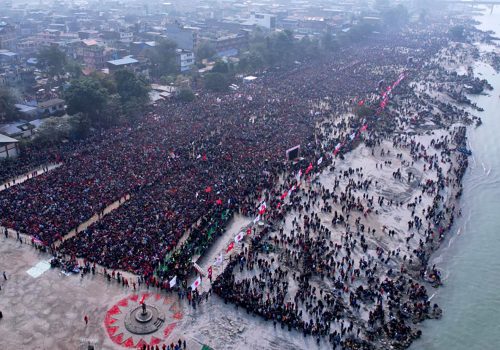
column 239, row 237
column 196, row 283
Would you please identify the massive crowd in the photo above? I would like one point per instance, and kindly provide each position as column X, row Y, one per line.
column 328, row 264
column 187, row 167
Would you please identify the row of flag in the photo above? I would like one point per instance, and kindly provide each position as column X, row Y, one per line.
column 262, row 208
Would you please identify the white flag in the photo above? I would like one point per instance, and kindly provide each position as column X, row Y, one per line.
column 256, row 220
column 299, row 174
column 219, row 260
column 196, row 283
column 262, row 206
column 320, row 160
column 239, row 237
column 173, row 282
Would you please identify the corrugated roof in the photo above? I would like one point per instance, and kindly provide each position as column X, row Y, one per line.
column 122, row 61
column 7, row 139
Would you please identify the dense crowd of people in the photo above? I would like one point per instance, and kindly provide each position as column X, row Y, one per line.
column 323, row 259
column 188, row 166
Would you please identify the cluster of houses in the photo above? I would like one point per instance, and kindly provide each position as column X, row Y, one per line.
column 115, row 34
column 111, row 34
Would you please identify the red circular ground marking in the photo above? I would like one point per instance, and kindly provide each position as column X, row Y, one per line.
column 115, row 327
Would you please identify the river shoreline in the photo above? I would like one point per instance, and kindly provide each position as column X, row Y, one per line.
column 468, row 296
column 449, row 210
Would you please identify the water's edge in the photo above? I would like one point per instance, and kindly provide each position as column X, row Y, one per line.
column 469, row 259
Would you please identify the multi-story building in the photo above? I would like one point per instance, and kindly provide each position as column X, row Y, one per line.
column 267, row 21
column 123, row 63
column 230, row 45
column 185, row 37
column 126, row 37
column 91, row 54
column 7, row 36
column 185, row 59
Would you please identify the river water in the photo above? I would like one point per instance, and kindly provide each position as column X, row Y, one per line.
column 470, row 259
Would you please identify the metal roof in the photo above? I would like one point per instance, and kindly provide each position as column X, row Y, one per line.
column 123, row 61
column 7, row 139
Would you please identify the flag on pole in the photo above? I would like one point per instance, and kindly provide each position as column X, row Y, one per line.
column 249, row 231
column 230, row 247
column 173, row 282
column 196, row 283
column 320, row 161
column 284, row 195
column 208, row 189
column 364, row 128
column 218, row 201
column 239, row 237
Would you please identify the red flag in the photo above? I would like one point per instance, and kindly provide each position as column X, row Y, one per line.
column 208, row 189
column 249, row 231
column 210, row 270
column 309, row 168
column 218, row 201
column 284, row 195
column 364, row 128
column 204, row 157
column 360, row 103
column 230, row 247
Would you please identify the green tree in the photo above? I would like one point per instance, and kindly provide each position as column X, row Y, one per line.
column 163, row 58
column 74, row 69
column 113, row 111
column 79, row 127
column 216, row 82
column 89, row 97
column 360, row 31
column 328, row 42
column 52, row 61
column 53, row 131
column 220, row 67
column 130, row 86
column 205, row 51
column 186, row 95
column 8, row 111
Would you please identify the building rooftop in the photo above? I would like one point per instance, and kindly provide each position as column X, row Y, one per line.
column 7, row 139
column 50, row 103
column 123, row 61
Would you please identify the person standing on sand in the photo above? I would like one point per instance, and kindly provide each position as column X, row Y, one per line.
column 86, row 319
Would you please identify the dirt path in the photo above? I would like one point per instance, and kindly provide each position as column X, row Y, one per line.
column 29, row 175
